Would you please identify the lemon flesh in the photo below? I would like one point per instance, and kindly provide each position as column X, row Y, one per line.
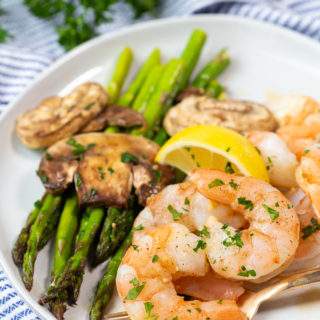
column 213, row 147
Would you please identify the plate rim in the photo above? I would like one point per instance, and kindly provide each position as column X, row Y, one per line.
column 251, row 22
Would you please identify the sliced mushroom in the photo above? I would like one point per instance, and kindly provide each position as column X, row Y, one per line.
column 242, row 116
column 115, row 116
column 104, row 168
column 56, row 118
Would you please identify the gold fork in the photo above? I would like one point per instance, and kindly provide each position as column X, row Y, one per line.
column 250, row 301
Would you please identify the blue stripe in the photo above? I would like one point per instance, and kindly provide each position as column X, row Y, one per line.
column 23, row 59
column 13, row 76
column 10, row 66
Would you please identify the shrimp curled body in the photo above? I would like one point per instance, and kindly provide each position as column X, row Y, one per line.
column 146, row 274
column 265, row 248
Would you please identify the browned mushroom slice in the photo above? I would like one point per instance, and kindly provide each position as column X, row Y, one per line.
column 115, row 116
column 56, row 118
column 237, row 115
column 104, row 168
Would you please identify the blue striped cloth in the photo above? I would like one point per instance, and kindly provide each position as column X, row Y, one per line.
column 34, row 47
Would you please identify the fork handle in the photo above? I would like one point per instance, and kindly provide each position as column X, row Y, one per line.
column 253, row 300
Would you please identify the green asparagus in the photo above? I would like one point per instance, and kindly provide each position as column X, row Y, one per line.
column 164, row 95
column 40, row 234
column 67, row 229
column 115, row 85
column 105, row 286
column 161, row 137
column 147, row 89
column 214, row 89
column 71, row 277
column 129, row 96
column 191, row 54
column 217, row 65
column 116, row 226
column 20, row 246
column 119, row 75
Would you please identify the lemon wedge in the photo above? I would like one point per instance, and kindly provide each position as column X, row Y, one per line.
column 214, row 147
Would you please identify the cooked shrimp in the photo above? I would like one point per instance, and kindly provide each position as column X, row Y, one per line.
column 183, row 204
column 308, row 176
column 280, row 162
column 264, row 249
column 209, row 287
column 308, row 253
column 299, row 120
column 146, row 274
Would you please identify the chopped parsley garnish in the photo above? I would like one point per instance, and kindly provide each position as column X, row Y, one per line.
column 93, row 192
column 229, row 168
column 89, row 105
column 79, row 149
column 268, row 168
column 306, row 151
column 38, row 204
column 269, row 160
column 186, row 201
column 158, row 175
column 192, row 156
column 258, row 150
column 135, row 247
column 220, row 301
column 78, row 180
column 247, row 203
column 42, row 176
column 246, row 273
column 127, row 157
column 214, row 261
column 138, row 228
column 234, row 185
column 309, row 230
column 174, row 212
column 199, row 310
column 231, row 240
column 144, row 156
column 272, row 212
column 136, row 290
column 111, row 170
column 188, row 148
column 49, row 157
column 148, row 306
column 175, row 318
column 228, row 149
column 216, row 183
column 204, row 232
column 101, row 173
column 277, row 204
column 155, row 258
column 198, row 164
column 200, row 245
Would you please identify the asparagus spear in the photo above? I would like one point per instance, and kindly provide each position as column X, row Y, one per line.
column 129, row 96
column 214, row 89
column 106, row 285
column 41, row 232
column 161, row 137
column 191, row 54
column 20, row 246
column 64, row 240
column 217, row 65
column 163, row 96
column 119, row 75
column 71, row 277
column 116, row 226
column 115, row 85
column 147, row 89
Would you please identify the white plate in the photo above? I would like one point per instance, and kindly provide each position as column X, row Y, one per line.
column 264, row 58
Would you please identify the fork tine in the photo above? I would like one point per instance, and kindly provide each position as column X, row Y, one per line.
column 117, row 316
